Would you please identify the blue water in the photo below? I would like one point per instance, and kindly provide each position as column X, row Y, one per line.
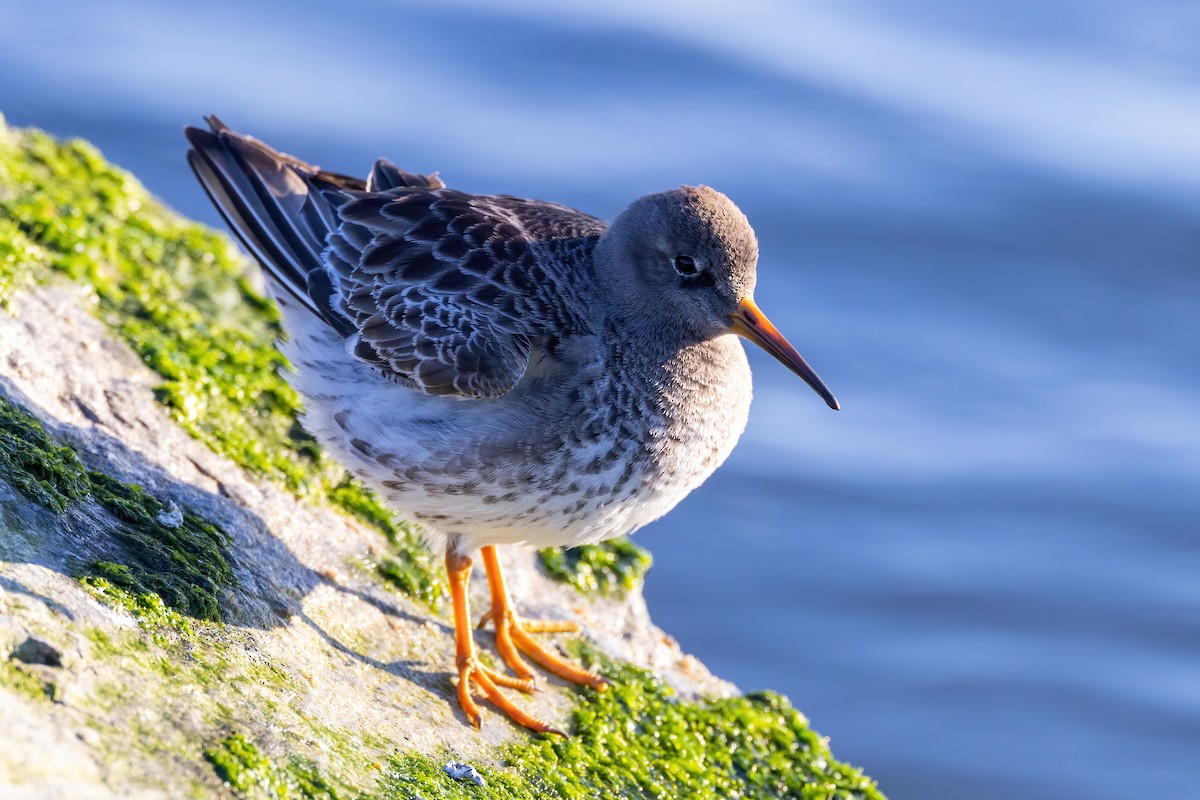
column 980, row 223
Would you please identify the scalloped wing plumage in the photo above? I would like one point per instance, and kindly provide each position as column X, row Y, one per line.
column 433, row 282
column 439, row 290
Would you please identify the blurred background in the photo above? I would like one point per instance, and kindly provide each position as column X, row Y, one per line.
column 979, row 222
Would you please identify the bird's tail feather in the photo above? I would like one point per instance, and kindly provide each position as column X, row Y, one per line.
column 283, row 209
column 267, row 199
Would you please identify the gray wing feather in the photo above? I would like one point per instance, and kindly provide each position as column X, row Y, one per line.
column 441, row 287
column 439, row 290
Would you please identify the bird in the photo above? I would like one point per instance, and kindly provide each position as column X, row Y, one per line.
column 499, row 369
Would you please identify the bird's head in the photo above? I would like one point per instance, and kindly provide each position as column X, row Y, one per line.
column 684, row 261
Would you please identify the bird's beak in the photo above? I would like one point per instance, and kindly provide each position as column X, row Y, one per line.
column 748, row 321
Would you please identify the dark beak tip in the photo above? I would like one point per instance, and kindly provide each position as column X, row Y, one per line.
column 751, row 323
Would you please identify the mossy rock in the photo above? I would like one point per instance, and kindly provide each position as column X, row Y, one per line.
column 177, row 556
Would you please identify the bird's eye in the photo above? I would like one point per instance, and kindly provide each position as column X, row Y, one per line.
column 685, row 266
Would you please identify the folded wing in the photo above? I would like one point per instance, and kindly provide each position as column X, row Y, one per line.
column 434, row 288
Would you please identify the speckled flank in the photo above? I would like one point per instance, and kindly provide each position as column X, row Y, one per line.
column 566, row 469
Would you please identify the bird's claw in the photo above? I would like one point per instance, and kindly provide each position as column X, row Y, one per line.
column 471, row 671
column 513, row 638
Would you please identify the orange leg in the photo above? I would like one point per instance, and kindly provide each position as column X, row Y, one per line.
column 458, row 570
column 512, row 633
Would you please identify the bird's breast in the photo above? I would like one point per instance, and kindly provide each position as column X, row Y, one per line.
column 651, row 433
column 704, row 402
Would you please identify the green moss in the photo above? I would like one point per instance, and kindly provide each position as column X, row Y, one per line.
column 637, row 740
column 25, row 681
column 174, row 290
column 239, row 763
column 102, row 643
column 19, row 258
column 47, row 473
column 410, row 569
column 615, row 565
column 158, row 619
column 410, row 577
column 185, row 565
column 179, row 294
column 415, row 775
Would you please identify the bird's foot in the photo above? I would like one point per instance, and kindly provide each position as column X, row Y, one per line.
column 532, row 625
column 471, row 671
column 513, row 634
column 513, row 638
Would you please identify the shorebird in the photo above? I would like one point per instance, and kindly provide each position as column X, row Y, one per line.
column 503, row 370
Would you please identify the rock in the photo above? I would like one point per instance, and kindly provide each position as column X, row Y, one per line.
column 463, row 772
column 171, row 516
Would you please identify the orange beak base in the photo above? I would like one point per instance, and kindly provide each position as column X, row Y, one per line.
column 751, row 323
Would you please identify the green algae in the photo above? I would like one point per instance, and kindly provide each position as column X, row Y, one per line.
column 180, row 295
column 26, row 682
column 161, row 622
column 407, row 575
column 176, row 291
column 609, row 567
column 181, row 649
column 19, row 258
column 184, row 564
column 638, row 740
column 47, row 473
column 242, row 766
column 634, row 740
column 209, row 665
column 410, row 567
